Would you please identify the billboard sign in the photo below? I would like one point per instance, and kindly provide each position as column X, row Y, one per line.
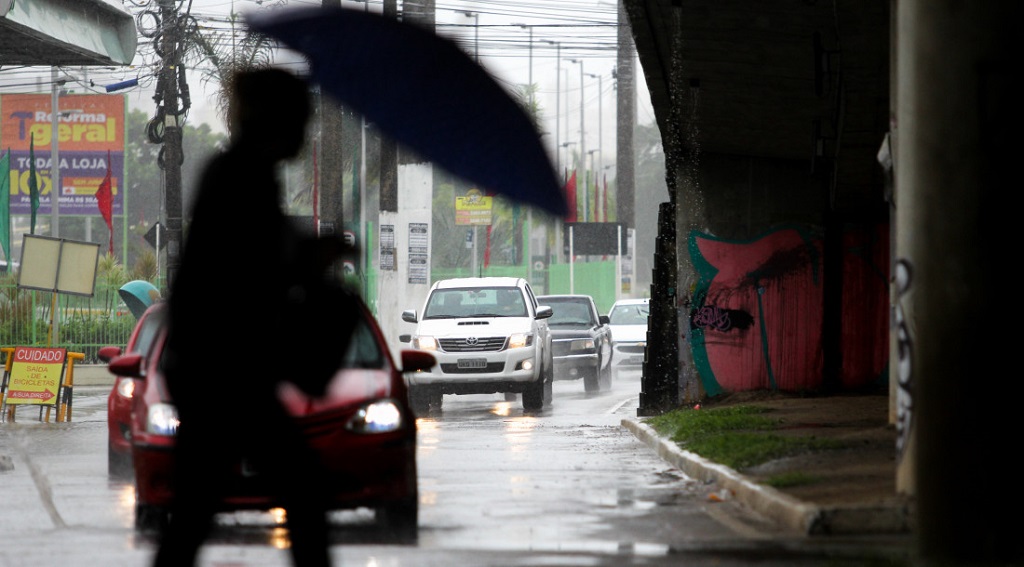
column 88, row 126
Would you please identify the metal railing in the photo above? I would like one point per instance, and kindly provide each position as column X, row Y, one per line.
column 84, row 324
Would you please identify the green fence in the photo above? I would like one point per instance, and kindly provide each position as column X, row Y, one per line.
column 83, row 324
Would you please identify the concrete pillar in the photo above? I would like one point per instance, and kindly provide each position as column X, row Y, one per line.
column 957, row 121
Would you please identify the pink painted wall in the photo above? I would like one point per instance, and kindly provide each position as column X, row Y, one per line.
column 758, row 310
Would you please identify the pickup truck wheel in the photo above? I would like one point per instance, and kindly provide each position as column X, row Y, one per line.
column 533, row 396
column 435, row 399
column 549, row 382
column 419, row 399
column 590, row 380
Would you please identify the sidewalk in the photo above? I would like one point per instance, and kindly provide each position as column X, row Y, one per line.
column 855, row 492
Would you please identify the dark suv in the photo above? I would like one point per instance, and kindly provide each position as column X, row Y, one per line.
column 581, row 340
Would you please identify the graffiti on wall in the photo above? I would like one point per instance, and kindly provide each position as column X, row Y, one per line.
column 904, row 350
column 720, row 319
column 756, row 319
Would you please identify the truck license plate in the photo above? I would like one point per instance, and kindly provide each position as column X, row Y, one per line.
column 472, row 362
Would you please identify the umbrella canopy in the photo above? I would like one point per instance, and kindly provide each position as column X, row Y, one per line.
column 424, row 92
column 138, row 295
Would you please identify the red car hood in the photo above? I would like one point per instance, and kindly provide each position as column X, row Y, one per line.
column 349, row 387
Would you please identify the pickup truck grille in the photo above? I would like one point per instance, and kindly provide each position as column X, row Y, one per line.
column 473, row 344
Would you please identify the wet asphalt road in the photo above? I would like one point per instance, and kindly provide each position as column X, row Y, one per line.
column 498, row 487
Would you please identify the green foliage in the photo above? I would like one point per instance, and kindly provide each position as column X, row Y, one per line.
column 736, row 436
column 145, row 267
column 792, row 478
column 144, row 189
column 686, row 424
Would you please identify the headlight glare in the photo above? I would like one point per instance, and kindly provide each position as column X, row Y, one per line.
column 162, row 419
column 520, row 340
column 425, row 343
column 126, row 388
column 378, row 417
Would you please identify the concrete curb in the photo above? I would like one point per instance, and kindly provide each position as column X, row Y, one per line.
column 805, row 518
column 92, row 375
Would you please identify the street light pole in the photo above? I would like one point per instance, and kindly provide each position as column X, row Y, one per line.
column 476, row 58
column 558, row 102
column 600, row 112
column 529, row 210
column 583, row 146
column 476, row 33
column 55, row 154
column 599, row 164
column 54, row 191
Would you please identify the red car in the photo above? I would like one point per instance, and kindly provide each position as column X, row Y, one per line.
column 363, row 428
column 119, row 401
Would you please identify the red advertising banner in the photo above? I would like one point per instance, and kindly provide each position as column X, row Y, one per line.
column 88, row 126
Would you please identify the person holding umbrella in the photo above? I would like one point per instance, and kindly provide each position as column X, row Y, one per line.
column 237, row 223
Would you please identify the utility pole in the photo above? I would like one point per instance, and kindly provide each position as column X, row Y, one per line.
column 388, row 146
column 332, row 219
column 625, row 115
column 169, row 113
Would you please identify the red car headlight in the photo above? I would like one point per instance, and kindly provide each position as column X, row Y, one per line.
column 162, row 419
column 126, row 387
column 378, row 417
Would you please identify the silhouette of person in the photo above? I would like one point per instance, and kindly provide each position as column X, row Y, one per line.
column 222, row 318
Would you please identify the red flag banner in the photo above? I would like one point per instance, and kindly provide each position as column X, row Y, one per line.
column 570, row 192
column 487, row 249
column 105, row 201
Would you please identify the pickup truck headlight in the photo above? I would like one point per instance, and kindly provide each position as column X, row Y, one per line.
column 425, row 343
column 581, row 345
column 520, row 340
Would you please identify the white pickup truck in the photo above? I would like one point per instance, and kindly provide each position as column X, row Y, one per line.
column 489, row 335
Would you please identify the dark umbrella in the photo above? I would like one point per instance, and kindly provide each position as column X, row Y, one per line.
column 424, row 92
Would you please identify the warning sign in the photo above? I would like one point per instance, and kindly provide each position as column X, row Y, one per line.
column 35, row 376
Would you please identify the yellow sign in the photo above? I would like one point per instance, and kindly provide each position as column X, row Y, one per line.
column 35, row 376
column 473, row 208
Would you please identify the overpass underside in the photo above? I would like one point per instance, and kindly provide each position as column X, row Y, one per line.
column 66, row 33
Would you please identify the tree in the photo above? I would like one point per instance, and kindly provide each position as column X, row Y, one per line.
column 143, row 177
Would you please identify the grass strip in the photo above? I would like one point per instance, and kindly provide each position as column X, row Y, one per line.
column 735, row 436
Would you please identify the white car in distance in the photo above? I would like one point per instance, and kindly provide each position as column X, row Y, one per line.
column 627, row 320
